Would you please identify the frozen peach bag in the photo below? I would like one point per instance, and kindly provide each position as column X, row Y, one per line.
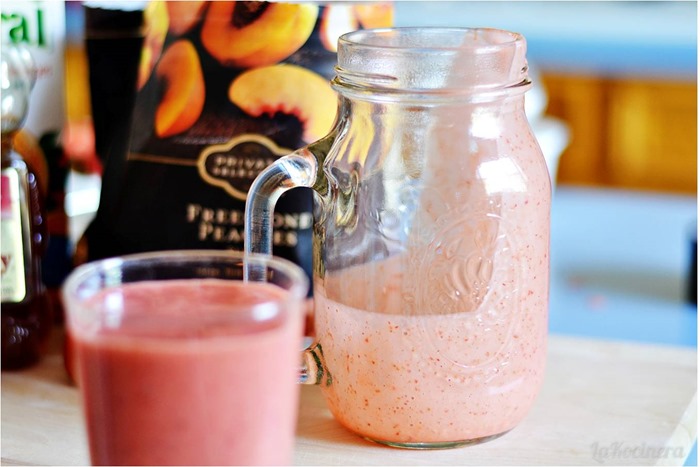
column 223, row 89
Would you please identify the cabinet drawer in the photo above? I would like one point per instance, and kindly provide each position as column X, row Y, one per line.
column 627, row 133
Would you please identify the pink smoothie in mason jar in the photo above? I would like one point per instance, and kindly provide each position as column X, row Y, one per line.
column 179, row 374
column 446, row 340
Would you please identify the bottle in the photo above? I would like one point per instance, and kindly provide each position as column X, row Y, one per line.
column 37, row 32
column 26, row 316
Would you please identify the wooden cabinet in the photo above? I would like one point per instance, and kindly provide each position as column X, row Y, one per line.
column 627, row 133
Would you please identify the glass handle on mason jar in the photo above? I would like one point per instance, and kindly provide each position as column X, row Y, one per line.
column 297, row 169
column 313, row 368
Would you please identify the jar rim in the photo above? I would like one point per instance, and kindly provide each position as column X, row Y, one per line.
column 360, row 38
column 432, row 62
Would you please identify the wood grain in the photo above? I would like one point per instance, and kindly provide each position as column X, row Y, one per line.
column 603, row 402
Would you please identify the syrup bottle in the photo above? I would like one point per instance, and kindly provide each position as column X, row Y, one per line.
column 26, row 316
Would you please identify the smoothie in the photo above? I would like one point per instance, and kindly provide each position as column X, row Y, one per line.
column 430, row 378
column 444, row 339
column 181, row 374
column 405, row 372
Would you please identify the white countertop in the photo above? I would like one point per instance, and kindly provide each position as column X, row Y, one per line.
column 602, row 403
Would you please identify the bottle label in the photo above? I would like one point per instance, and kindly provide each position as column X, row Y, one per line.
column 13, row 284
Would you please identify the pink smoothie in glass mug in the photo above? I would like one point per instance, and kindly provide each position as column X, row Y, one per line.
column 182, row 362
column 431, row 237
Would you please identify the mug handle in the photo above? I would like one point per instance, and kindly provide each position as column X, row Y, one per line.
column 302, row 168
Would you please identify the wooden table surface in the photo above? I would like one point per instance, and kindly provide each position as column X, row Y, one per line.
column 603, row 402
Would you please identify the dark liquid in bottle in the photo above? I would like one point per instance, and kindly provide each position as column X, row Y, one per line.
column 26, row 316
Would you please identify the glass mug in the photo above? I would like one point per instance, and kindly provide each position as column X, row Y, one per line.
column 431, row 237
column 182, row 362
